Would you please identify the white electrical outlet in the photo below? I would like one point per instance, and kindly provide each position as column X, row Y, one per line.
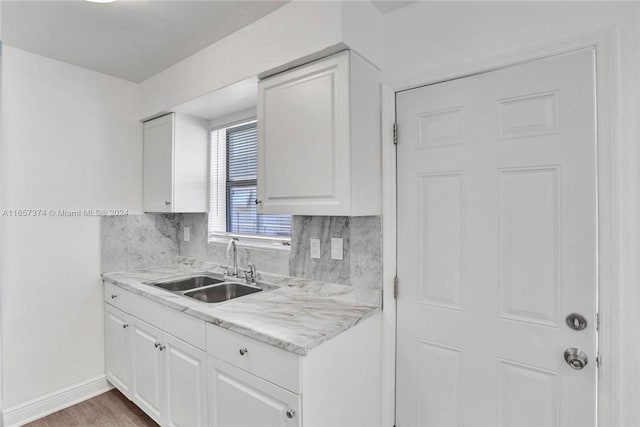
column 337, row 248
column 186, row 234
column 315, row 248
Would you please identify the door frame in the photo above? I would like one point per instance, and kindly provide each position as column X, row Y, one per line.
column 604, row 44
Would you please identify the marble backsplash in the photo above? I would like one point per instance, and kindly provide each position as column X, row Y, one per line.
column 137, row 241
column 147, row 240
column 362, row 241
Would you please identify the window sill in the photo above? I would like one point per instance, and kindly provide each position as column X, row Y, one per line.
column 252, row 242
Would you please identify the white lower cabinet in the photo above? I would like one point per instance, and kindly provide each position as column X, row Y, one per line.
column 147, row 361
column 117, row 344
column 156, row 357
column 238, row 398
column 185, row 384
column 162, row 374
column 338, row 383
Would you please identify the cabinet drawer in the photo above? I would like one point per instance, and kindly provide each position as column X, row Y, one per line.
column 117, row 297
column 266, row 361
column 178, row 324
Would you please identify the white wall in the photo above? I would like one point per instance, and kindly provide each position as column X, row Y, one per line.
column 431, row 41
column 292, row 31
column 70, row 139
column 1, row 232
column 300, row 29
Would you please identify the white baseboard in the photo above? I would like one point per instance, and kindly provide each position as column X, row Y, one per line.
column 50, row 403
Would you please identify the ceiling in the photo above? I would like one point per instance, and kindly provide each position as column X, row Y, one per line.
column 386, row 6
column 132, row 40
column 224, row 102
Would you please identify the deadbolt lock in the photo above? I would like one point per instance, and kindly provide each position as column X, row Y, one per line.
column 576, row 321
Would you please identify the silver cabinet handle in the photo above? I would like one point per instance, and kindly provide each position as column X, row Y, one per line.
column 291, row 413
column 156, row 345
column 125, row 326
column 161, row 347
column 167, row 202
column 243, row 351
column 114, row 296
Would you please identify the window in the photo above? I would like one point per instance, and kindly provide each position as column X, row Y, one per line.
column 233, row 209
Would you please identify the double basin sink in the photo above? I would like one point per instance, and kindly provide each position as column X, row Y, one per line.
column 206, row 288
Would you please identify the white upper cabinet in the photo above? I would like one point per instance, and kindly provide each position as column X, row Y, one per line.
column 319, row 145
column 175, row 164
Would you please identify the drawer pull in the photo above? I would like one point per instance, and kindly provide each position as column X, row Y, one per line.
column 243, row 351
column 161, row 347
column 156, row 345
column 114, row 296
column 125, row 326
column 291, row 413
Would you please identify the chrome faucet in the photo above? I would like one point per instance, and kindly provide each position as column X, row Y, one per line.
column 232, row 245
column 249, row 274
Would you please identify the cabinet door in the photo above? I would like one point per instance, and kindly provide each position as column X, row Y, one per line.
column 158, row 164
column 185, row 384
column 147, row 356
column 238, row 398
column 303, row 140
column 117, row 348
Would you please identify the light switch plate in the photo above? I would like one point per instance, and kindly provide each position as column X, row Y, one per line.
column 315, row 248
column 337, row 248
column 186, row 234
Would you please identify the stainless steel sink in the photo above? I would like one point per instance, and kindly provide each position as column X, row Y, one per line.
column 185, row 284
column 208, row 288
column 222, row 292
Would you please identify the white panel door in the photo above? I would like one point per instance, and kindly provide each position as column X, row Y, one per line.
column 158, row 168
column 147, row 352
column 238, row 398
column 497, row 245
column 117, row 348
column 185, row 384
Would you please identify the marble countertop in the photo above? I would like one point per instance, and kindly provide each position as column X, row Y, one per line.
column 297, row 316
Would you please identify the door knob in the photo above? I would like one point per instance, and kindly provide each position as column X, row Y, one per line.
column 576, row 358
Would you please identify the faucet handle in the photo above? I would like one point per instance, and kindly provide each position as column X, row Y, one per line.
column 250, row 273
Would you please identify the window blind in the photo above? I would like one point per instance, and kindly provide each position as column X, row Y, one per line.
column 241, row 181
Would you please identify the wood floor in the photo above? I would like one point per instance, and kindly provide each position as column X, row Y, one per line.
column 106, row 410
